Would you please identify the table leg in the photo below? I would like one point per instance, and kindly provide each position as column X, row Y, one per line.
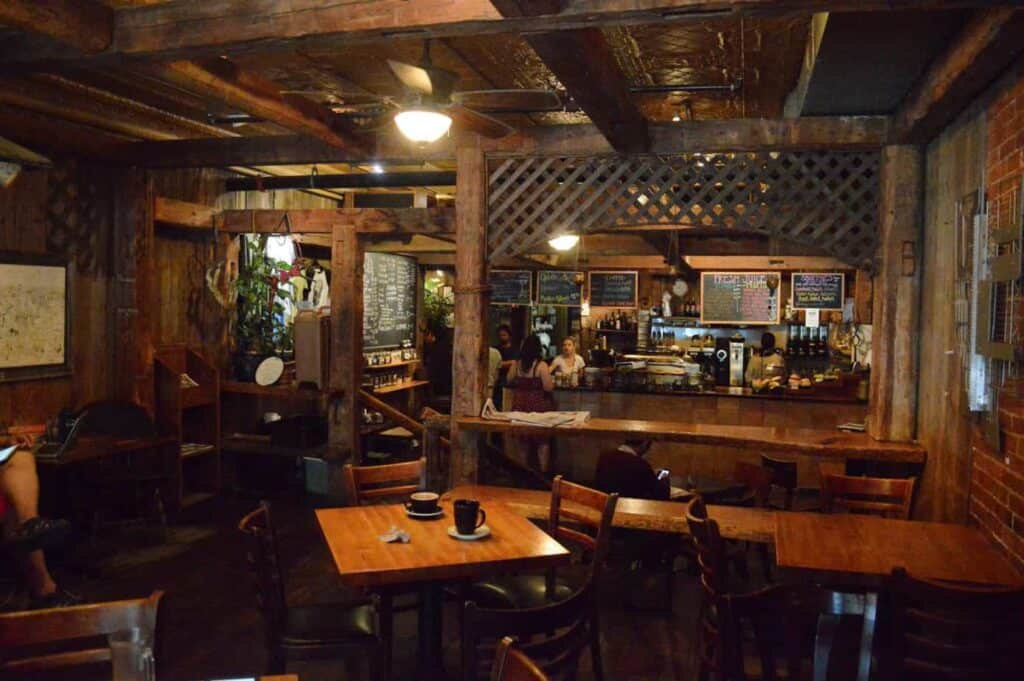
column 431, row 652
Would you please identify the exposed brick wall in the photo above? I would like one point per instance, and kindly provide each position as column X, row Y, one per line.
column 997, row 481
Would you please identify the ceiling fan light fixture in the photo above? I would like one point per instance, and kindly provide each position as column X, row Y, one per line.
column 564, row 242
column 423, row 125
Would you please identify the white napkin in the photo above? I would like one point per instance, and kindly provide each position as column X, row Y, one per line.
column 395, row 534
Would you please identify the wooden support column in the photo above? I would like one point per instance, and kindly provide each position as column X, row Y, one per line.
column 892, row 411
column 346, row 369
column 469, row 368
column 133, row 288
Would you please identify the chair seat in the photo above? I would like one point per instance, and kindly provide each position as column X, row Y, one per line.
column 327, row 624
column 519, row 591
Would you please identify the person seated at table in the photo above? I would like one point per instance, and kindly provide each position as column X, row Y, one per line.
column 27, row 533
column 568, row 362
column 530, row 381
column 626, row 471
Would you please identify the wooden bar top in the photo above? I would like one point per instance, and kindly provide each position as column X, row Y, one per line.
column 749, row 524
column 806, row 441
column 871, row 547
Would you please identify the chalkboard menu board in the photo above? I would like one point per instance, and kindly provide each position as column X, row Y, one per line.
column 613, row 289
column 555, row 287
column 389, row 300
column 511, row 287
column 739, row 297
column 818, row 290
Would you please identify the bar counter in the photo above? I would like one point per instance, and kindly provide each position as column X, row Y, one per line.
column 814, row 394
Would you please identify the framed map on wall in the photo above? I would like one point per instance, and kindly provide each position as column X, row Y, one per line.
column 35, row 317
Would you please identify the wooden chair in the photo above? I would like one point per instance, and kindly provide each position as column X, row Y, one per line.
column 945, row 631
column 757, row 482
column 889, row 497
column 512, row 665
column 307, row 632
column 552, row 635
column 712, row 567
column 67, row 632
column 388, row 482
column 784, row 477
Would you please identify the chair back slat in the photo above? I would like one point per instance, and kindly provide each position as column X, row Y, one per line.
column 889, row 497
column 945, row 631
column 553, row 635
column 511, row 664
column 597, row 521
column 265, row 566
column 784, row 476
column 363, row 483
column 68, row 626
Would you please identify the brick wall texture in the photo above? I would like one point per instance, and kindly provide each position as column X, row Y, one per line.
column 997, row 481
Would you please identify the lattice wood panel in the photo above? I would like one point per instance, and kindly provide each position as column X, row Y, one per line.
column 825, row 199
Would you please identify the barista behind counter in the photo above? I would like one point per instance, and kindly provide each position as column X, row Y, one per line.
column 766, row 363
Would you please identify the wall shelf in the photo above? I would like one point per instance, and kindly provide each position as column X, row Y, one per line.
column 408, row 385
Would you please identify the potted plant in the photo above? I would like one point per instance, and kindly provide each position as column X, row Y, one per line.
column 261, row 329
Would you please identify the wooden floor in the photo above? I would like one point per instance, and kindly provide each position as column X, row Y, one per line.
column 213, row 630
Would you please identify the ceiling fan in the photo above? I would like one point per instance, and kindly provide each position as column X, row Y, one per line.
column 432, row 105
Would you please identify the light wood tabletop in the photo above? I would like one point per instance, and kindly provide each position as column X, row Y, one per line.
column 362, row 559
column 818, row 442
column 748, row 524
column 871, row 547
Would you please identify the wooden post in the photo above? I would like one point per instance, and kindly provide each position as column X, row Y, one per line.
column 133, row 287
column 469, row 368
column 346, row 369
column 892, row 411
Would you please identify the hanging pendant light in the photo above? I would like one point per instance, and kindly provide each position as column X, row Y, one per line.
column 564, row 242
column 423, row 125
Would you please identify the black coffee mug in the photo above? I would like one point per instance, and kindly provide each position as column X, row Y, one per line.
column 422, row 502
column 468, row 516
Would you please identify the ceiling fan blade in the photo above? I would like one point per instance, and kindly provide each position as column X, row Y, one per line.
column 412, row 77
column 509, row 100
column 474, row 121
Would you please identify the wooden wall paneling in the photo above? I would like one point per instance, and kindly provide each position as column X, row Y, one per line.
column 133, row 287
column 953, row 168
column 894, row 367
column 346, row 366
column 472, row 296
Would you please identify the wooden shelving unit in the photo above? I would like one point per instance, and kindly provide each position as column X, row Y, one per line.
column 192, row 415
column 407, row 385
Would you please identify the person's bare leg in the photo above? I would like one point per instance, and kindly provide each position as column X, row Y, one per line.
column 19, row 483
column 20, row 486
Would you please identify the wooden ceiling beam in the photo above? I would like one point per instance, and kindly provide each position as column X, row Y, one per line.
column 585, row 65
column 194, row 29
column 224, row 81
column 740, row 134
column 57, row 136
column 371, row 221
column 985, row 47
column 271, row 150
column 85, row 25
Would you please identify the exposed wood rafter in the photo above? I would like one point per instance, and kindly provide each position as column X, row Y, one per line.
column 83, row 24
column 983, row 49
column 379, row 221
column 225, row 82
column 201, row 29
column 183, row 214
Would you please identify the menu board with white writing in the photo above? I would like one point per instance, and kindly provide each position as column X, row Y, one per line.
column 739, row 297
column 559, row 288
column 613, row 289
column 511, row 287
column 389, row 300
column 818, row 290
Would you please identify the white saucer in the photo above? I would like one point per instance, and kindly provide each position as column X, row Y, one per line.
column 423, row 516
column 481, row 532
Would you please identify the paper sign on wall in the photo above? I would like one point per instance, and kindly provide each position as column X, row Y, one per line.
column 812, row 318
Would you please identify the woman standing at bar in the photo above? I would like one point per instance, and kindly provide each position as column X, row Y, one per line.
column 568, row 362
column 531, row 385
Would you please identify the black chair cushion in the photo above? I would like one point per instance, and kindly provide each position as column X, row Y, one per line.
column 520, row 591
column 328, row 624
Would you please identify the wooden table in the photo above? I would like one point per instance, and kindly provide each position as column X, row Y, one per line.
column 431, row 557
column 749, row 524
column 867, row 549
column 817, row 442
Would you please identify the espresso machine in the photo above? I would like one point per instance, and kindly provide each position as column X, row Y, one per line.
column 729, row 361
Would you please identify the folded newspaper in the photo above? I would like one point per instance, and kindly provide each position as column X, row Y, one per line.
column 543, row 419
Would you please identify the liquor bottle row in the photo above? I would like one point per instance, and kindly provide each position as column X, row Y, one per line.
column 807, row 341
column 617, row 321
